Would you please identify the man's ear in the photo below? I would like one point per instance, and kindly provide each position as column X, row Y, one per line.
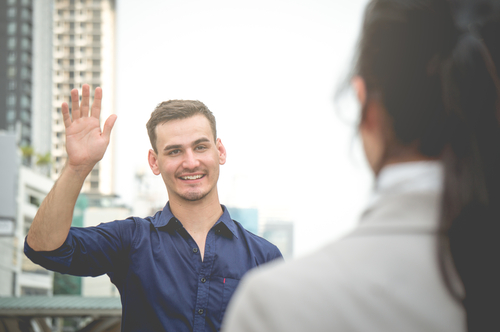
column 153, row 162
column 222, row 151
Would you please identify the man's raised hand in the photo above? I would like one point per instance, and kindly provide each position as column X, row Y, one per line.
column 85, row 142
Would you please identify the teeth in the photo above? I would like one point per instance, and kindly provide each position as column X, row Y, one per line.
column 192, row 177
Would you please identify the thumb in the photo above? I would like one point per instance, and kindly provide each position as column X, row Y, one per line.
column 108, row 125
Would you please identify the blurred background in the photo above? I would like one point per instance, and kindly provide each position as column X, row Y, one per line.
column 267, row 69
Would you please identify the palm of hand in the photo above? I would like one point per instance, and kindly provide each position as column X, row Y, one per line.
column 85, row 143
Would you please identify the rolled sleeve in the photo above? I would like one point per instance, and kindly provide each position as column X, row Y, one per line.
column 89, row 251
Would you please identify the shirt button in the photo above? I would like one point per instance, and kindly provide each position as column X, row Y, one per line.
column 200, row 311
column 195, row 250
column 203, row 280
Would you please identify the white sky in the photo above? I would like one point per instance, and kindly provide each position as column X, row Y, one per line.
column 268, row 70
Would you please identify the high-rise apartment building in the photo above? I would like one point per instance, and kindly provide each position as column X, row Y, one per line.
column 16, row 35
column 84, row 51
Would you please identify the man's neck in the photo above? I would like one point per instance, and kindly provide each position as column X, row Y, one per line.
column 197, row 217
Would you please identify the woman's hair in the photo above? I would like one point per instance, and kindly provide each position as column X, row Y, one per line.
column 440, row 89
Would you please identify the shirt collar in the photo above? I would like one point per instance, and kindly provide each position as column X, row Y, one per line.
column 408, row 177
column 225, row 225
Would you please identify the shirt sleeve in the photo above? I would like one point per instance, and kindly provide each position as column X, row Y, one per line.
column 89, row 251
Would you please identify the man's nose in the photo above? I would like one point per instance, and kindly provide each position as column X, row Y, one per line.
column 190, row 161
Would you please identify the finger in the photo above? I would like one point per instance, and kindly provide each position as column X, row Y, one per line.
column 96, row 105
column 65, row 114
column 75, row 108
column 84, row 106
column 108, row 125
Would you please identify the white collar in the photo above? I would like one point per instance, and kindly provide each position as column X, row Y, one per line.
column 408, row 177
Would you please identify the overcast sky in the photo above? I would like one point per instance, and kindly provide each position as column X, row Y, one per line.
column 268, row 70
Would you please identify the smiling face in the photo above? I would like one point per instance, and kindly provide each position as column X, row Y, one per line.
column 188, row 159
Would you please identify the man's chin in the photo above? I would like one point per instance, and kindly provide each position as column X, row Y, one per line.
column 194, row 196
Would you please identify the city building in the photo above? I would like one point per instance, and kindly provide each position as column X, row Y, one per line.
column 21, row 194
column 41, row 105
column 83, row 52
column 16, row 38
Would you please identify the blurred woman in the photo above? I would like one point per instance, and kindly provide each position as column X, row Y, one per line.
column 426, row 254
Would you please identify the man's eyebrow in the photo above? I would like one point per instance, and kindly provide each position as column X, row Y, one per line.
column 178, row 146
column 201, row 140
column 171, row 147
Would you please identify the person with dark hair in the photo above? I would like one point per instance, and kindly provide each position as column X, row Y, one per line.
column 176, row 270
column 426, row 254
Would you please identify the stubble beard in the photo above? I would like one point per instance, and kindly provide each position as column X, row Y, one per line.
column 194, row 196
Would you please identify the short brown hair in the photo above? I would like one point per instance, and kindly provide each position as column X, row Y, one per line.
column 177, row 109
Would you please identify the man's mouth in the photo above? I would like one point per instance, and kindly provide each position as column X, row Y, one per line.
column 192, row 177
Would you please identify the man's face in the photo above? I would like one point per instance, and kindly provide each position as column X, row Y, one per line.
column 188, row 159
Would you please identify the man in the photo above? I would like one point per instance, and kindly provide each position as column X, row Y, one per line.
column 176, row 270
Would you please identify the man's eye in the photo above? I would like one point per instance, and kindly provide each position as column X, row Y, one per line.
column 201, row 147
column 172, row 152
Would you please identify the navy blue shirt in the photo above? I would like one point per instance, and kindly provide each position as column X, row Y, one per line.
column 156, row 265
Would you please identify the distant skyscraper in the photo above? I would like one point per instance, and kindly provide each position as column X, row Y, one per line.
column 42, row 76
column 84, row 51
column 16, row 35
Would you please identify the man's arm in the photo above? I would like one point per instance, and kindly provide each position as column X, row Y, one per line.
column 85, row 145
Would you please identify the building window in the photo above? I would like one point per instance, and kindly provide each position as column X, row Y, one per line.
column 72, row 25
column 11, row 57
column 71, row 50
column 12, row 85
column 25, row 14
column 71, row 62
column 11, row 43
column 96, row 38
column 26, row 2
column 11, row 28
column 25, row 73
column 11, row 116
column 96, row 26
column 96, row 50
column 95, row 74
column 96, row 13
column 26, row 29
column 25, row 57
column 25, row 116
column 11, row 2
column 96, row 63
column 11, row 12
column 11, row 100
column 94, row 184
column 11, row 71
column 25, row 43
column 25, row 102
column 71, row 74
